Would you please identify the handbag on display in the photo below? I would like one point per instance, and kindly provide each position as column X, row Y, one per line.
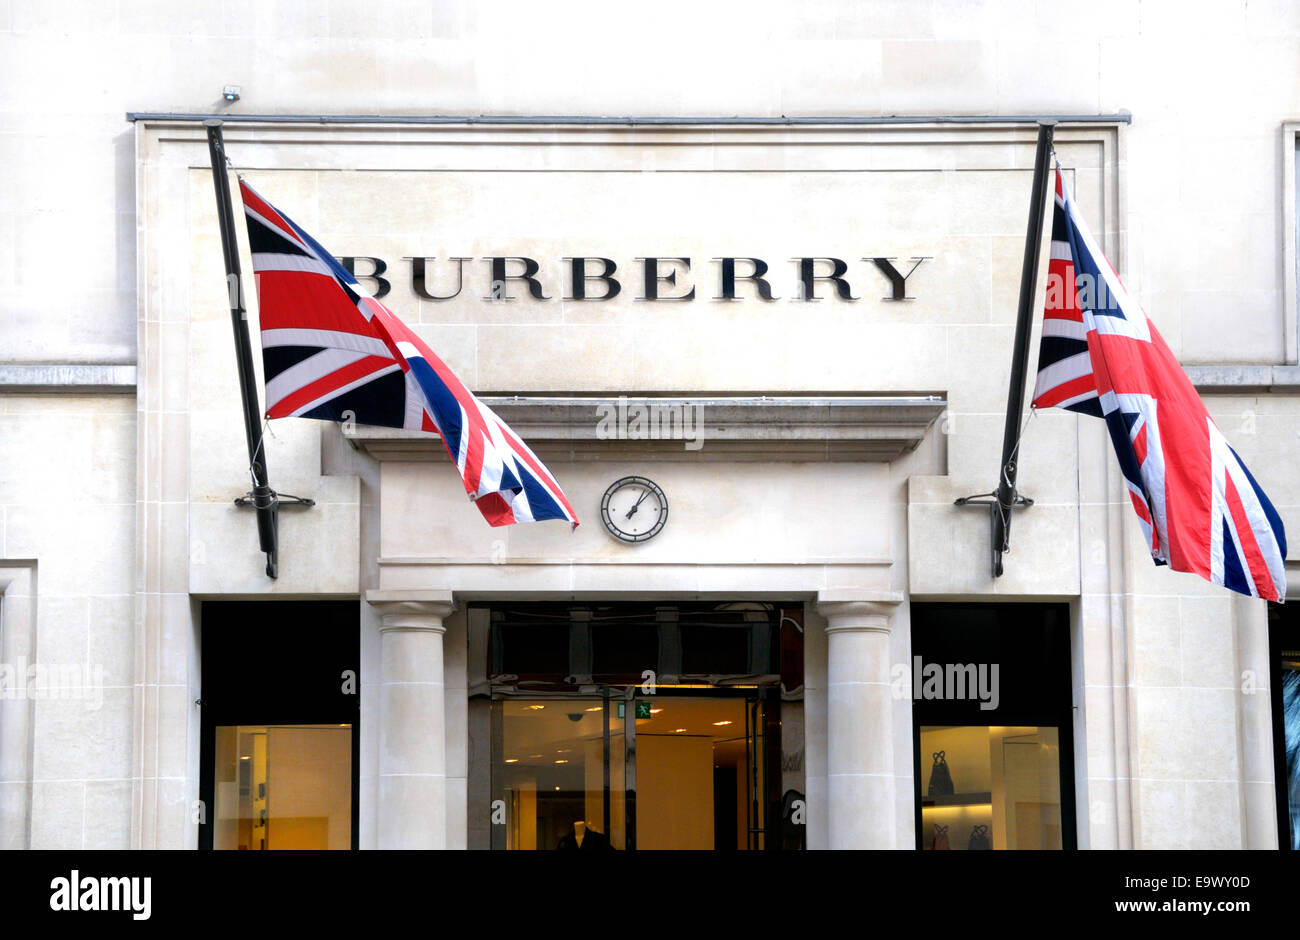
column 979, row 839
column 940, row 778
column 940, row 840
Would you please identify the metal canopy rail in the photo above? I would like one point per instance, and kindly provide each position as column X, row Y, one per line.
column 595, row 120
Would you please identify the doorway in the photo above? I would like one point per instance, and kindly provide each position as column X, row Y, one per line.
column 622, row 726
column 674, row 770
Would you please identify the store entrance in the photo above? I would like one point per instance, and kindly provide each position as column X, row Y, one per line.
column 641, row 728
column 680, row 769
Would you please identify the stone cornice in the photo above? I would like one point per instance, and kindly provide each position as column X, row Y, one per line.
column 821, row 428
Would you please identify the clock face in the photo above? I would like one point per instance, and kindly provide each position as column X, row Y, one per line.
column 634, row 509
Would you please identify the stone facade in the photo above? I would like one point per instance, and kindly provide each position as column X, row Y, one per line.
column 123, row 441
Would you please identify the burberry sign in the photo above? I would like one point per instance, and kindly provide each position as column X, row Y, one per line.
column 509, row 277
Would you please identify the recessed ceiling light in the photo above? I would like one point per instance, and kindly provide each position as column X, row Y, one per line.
column 534, row 755
column 561, row 761
column 655, row 711
column 722, row 722
column 596, row 708
column 512, row 760
column 678, row 730
column 536, row 708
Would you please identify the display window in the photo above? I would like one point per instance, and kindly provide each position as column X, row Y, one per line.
column 1284, row 636
column 279, row 707
column 283, row 787
column 992, row 727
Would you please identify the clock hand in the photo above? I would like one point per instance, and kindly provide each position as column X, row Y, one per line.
column 637, row 503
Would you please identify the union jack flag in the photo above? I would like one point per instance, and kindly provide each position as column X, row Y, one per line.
column 1201, row 510
column 333, row 352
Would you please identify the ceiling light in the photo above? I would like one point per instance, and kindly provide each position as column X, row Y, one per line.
column 561, row 761
column 596, row 708
column 512, row 760
column 536, row 708
column 678, row 730
column 719, row 723
column 655, row 711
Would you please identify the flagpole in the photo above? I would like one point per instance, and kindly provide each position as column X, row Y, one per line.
column 1007, row 498
column 262, row 497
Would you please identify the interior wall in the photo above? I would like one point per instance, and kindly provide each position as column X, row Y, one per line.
column 310, row 788
column 674, row 787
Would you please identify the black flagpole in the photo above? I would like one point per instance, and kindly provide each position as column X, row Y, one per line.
column 1005, row 498
column 262, row 498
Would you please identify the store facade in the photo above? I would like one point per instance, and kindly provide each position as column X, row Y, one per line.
column 785, row 343
column 794, row 341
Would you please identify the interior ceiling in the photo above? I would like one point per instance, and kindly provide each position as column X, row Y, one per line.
column 530, row 731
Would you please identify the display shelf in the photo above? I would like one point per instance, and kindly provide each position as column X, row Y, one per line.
column 977, row 798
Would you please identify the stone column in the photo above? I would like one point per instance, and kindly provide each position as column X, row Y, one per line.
column 861, row 786
column 412, row 810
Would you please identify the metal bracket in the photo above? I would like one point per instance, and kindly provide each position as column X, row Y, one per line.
column 280, row 499
column 268, row 504
column 991, row 500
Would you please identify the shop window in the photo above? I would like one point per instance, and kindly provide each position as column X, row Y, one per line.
column 280, row 694
column 283, row 787
column 992, row 726
column 1284, row 635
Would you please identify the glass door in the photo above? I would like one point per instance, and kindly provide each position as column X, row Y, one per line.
column 558, row 774
column 624, row 770
column 700, row 775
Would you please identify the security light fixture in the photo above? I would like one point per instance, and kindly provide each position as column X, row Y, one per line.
column 230, row 92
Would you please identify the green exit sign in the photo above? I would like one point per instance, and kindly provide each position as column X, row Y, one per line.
column 642, row 710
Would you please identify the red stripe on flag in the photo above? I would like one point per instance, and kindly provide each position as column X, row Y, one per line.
column 1258, row 567
column 495, row 509
column 306, row 301
column 1066, row 390
column 521, row 452
column 473, row 459
column 266, row 211
column 1140, row 445
column 323, row 386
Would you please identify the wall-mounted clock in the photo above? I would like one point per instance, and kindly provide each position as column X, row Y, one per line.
column 634, row 509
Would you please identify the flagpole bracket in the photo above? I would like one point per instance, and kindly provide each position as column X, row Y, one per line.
column 995, row 516
column 267, row 503
column 249, row 501
column 991, row 499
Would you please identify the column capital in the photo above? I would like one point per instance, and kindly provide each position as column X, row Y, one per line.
column 412, row 610
column 855, row 611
